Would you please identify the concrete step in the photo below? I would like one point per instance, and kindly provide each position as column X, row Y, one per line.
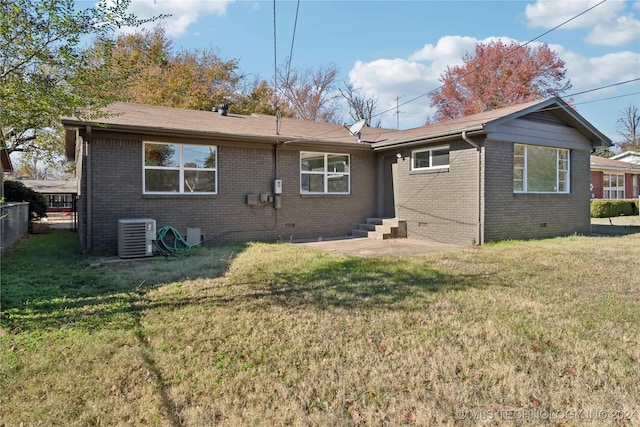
column 360, row 233
column 382, row 229
column 367, row 227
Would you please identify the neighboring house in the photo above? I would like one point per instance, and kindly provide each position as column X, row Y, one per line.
column 60, row 195
column 628, row 156
column 5, row 166
column 613, row 179
column 515, row 173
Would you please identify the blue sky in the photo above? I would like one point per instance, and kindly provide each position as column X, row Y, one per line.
column 393, row 49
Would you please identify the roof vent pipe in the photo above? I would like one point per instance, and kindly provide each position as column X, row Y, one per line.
column 223, row 109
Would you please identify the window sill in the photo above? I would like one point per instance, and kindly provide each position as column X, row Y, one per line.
column 428, row 171
column 538, row 194
column 181, row 196
column 322, row 195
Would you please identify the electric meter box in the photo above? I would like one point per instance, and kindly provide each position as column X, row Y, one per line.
column 277, row 186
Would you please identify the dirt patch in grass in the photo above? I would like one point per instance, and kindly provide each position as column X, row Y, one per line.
column 287, row 335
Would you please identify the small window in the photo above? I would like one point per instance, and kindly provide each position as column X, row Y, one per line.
column 324, row 173
column 430, row 158
column 613, row 186
column 540, row 169
column 180, row 168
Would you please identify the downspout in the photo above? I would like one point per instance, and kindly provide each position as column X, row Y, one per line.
column 477, row 147
column 276, row 158
column 89, row 185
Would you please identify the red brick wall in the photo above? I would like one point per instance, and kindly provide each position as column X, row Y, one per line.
column 596, row 183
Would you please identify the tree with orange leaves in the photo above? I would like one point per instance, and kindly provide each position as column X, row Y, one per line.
column 499, row 75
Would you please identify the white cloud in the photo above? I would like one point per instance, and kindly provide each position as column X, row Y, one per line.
column 608, row 25
column 591, row 73
column 387, row 79
column 624, row 30
column 183, row 13
column 549, row 14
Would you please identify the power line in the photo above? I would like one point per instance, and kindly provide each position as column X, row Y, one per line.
column 459, row 124
column 603, row 87
column 473, row 71
column 275, row 65
column 565, row 22
column 293, row 38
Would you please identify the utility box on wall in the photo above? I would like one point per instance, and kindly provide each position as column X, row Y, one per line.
column 277, row 186
column 135, row 237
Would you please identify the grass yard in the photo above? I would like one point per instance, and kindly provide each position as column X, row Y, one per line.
column 542, row 332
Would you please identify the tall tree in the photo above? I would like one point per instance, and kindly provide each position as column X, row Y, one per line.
column 628, row 127
column 604, row 152
column 360, row 107
column 499, row 75
column 45, row 162
column 45, row 70
column 309, row 93
column 256, row 97
column 156, row 74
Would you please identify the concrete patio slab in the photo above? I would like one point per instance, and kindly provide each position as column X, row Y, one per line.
column 378, row 248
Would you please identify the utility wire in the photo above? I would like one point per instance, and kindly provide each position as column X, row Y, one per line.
column 460, row 121
column 293, row 38
column 275, row 60
column 275, row 65
column 565, row 22
column 603, row 87
column 473, row 71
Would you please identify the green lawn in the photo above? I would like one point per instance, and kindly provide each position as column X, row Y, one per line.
column 280, row 334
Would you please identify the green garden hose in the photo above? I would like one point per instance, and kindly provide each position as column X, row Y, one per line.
column 175, row 243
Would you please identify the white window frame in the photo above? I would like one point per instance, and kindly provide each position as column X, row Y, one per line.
column 525, row 171
column 608, row 190
column 430, row 150
column 326, row 173
column 180, row 168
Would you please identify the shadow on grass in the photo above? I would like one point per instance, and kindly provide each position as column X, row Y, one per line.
column 47, row 283
column 366, row 282
column 614, row 230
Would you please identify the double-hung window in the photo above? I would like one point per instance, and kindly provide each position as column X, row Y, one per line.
column 324, row 173
column 539, row 169
column 613, row 186
column 180, row 168
column 430, row 158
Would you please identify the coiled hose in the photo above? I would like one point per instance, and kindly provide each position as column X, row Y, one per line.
column 169, row 240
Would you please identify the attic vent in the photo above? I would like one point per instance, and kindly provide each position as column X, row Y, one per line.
column 135, row 237
column 544, row 117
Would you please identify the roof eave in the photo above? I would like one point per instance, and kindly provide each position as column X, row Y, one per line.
column 434, row 138
column 208, row 135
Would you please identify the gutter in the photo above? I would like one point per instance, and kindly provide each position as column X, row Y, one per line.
column 479, row 207
column 443, row 136
column 262, row 139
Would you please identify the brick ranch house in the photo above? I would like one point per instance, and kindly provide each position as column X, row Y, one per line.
column 628, row 157
column 614, row 179
column 514, row 173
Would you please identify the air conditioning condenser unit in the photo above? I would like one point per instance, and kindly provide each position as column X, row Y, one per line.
column 135, row 237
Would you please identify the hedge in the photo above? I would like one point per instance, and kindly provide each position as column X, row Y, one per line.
column 602, row 208
column 15, row 191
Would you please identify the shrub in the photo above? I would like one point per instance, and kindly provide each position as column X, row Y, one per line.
column 601, row 208
column 15, row 191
